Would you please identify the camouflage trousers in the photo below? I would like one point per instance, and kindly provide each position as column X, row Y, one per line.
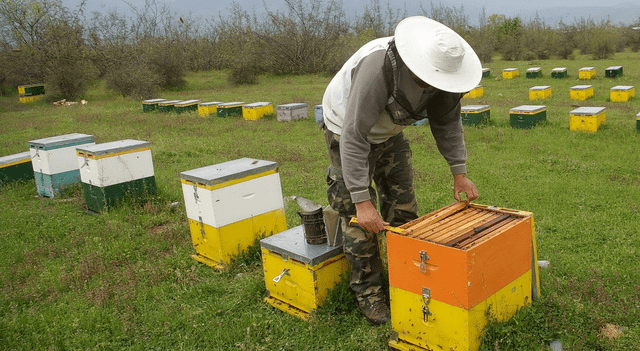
column 391, row 172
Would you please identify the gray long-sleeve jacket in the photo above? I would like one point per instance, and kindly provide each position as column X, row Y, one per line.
column 354, row 108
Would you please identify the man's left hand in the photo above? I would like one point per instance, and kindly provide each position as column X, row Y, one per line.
column 462, row 184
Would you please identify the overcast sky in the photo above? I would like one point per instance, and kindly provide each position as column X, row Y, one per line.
column 619, row 11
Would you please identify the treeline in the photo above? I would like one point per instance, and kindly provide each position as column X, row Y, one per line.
column 152, row 48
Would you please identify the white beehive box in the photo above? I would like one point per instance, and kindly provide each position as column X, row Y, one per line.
column 230, row 205
column 54, row 161
column 113, row 170
column 292, row 112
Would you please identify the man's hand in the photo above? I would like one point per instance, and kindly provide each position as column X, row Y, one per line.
column 369, row 218
column 461, row 184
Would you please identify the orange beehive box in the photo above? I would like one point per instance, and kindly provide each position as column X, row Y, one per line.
column 458, row 261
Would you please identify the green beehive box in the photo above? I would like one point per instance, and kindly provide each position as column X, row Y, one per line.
column 527, row 116
column 534, row 72
column 151, row 105
column 167, row 105
column 229, row 109
column 16, row 167
column 473, row 115
column 559, row 72
column 613, row 71
column 31, row 90
column 486, row 73
column 186, row 106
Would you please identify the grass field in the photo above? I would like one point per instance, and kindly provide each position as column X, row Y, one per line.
column 124, row 279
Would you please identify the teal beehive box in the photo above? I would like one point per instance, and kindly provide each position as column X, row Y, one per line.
column 54, row 161
column 473, row 115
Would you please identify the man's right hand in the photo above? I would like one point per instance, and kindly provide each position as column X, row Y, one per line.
column 369, row 218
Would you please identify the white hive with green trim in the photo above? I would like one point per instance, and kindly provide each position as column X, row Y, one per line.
column 111, row 171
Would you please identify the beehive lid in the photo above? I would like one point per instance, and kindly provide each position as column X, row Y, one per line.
column 474, row 108
column 529, row 108
column 231, row 104
column 541, row 87
column 153, row 101
column 292, row 244
column 587, row 68
column 622, row 87
column 113, row 147
column 613, row 67
column 485, row 70
column 257, row 104
column 510, row 69
column 169, row 102
column 230, row 170
column 61, row 141
column 462, row 225
column 638, row 115
column 559, row 69
column 581, row 87
column 15, row 158
column 187, row 102
column 292, row 105
column 210, row 103
column 587, row 110
column 533, row 69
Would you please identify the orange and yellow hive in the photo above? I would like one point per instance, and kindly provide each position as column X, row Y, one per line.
column 453, row 269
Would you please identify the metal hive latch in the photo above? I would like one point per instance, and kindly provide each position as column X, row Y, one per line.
column 279, row 276
column 423, row 261
column 195, row 193
column 426, row 298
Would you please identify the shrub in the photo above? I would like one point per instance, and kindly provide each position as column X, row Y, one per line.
column 135, row 80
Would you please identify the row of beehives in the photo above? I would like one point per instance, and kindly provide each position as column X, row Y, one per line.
column 29, row 93
column 558, row 72
column 252, row 111
column 618, row 93
column 585, row 119
column 445, row 268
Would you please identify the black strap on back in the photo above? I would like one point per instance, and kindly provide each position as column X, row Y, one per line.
column 392, row 65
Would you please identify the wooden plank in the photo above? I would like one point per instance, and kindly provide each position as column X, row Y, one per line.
column 446, row 224
column 445, row 212
column 462, row 230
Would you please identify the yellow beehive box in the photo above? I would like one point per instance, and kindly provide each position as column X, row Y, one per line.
column 581, row 92
column 209, row 108
column 230, row 205
column 621, row 93
column 540, row 92
column 587, row 73
column 256, row 110
column 476, row 92
column 454, row 269
column 510, row 73
column 299, row 275
column 587, row 119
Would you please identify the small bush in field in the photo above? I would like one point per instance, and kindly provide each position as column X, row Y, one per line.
column 134, row 80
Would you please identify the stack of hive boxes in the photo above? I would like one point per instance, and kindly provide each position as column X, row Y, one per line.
column 453, row 269
column 111, row 171
column 29, row 93
column 230, row 205
column 55, row 163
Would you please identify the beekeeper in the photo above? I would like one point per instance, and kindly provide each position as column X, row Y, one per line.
column 388, row 84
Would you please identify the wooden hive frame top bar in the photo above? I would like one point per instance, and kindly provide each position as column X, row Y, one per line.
column 461, row 225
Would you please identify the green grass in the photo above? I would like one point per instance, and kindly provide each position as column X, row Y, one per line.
column 125, row 280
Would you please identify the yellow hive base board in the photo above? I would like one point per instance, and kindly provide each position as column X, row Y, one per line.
column 449, row 327
column 285, row 307
column 208, row 262
column 220, row 245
